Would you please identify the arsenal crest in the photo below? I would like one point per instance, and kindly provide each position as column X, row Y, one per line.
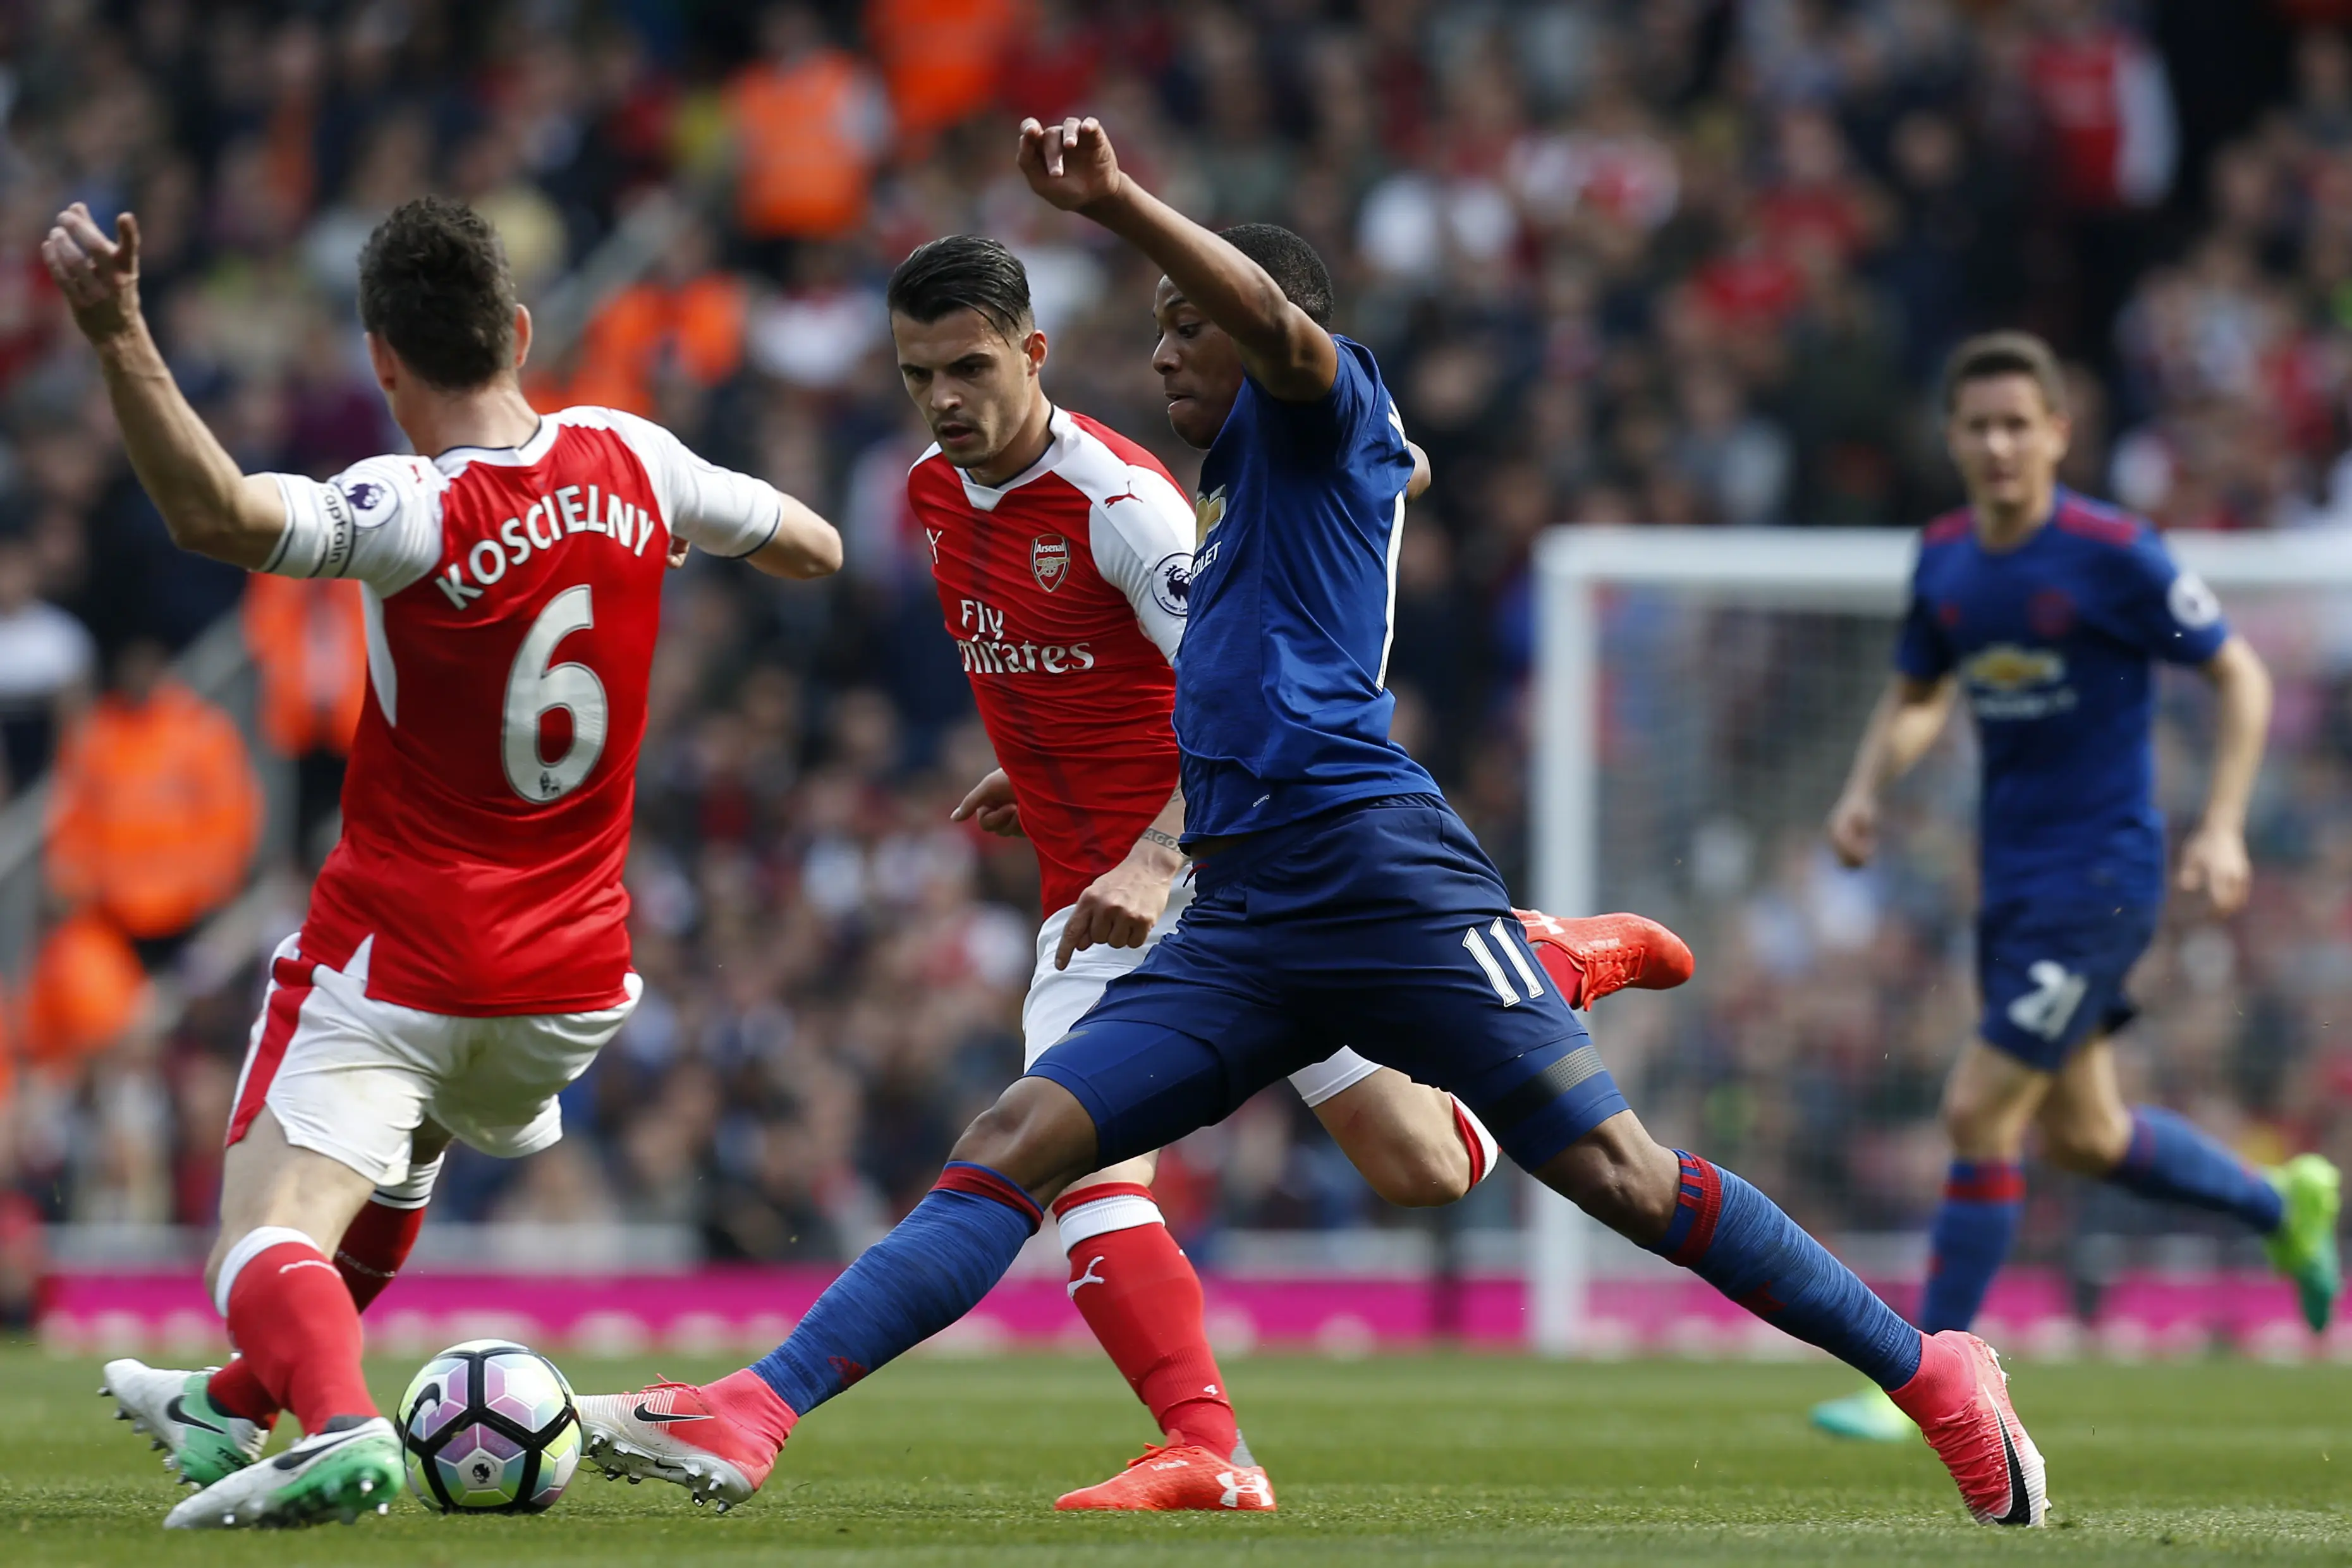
column 1049, row 560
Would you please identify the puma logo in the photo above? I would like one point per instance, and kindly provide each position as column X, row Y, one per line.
column 1088, row 1278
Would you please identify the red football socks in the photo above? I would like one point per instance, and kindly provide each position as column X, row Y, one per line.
column 1137, row 1291
column 374, row 1246
column 236, row 1390
column 745, row 1398
column 291, row 1316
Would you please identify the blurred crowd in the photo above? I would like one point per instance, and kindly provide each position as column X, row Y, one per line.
column 1672, row 261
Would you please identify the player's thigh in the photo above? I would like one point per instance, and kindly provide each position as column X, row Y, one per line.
column 1178, row 1042
column 341, row 1076
column 268, row 1181
column 1407, row 949
column 2086, row 1125
column 499, row 1091
column 1401, row 1135
column 2053, row 977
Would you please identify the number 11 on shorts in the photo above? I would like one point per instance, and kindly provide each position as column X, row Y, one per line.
column 1484, row 956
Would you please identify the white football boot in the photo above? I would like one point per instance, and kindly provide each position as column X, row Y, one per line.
column 200, row 1440
column 351, row 1468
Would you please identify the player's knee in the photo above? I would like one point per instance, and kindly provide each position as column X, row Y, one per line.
column 1037, row 1134
column 2087, row 1145
column 1979, row 1127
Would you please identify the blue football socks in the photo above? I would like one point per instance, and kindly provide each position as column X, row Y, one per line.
column 932, row 1268
column 2168, row 1159
column 1983, row 1201
column 1737, row 1241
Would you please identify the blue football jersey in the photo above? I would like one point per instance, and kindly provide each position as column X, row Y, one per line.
column 2054, row 645
column 1282, row 709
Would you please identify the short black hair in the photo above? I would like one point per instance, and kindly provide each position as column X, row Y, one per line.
column 434, row 285
column 1290, row 261
column 1993, row 355
column 964, row 272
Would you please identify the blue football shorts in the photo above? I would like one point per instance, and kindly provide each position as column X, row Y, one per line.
column 1379, row 925
column 2053, row 977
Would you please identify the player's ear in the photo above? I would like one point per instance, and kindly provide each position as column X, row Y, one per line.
column 1033, row 348
column 521, row 335
column 383, row 362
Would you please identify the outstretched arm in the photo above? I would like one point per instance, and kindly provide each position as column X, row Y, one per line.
column 2214, row 856
column 1905, row 723
column 1072, row 165
column 210, row 506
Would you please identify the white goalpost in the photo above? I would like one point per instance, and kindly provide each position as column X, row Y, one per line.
column 1596, row 790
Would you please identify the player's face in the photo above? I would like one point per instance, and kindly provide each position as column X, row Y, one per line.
column 1200, row 367
column 2006, row 439
column 975, row 386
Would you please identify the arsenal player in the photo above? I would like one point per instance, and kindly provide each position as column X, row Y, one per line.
column 465, row 954
column 1062, row 553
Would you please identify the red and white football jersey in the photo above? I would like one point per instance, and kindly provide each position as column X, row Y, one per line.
column 512, row 598
column 1064, row 589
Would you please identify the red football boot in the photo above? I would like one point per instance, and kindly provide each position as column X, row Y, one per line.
column 1960, row 1400
column 1590, row 958
column 1178, row 1476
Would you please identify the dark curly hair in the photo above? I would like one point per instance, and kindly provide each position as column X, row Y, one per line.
column 1290, row 261
column 434, row 285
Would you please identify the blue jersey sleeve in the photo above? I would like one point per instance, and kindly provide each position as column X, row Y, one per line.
column 1311, row 433
column 2167, row 613
column 1921, row 652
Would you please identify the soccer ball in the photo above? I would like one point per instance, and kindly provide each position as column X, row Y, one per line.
column 490, row 1428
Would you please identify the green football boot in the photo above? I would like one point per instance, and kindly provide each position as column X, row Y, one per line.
column 2304, row 1246
column 1869, row 1416
column 352, row 1467
column 171, row 1408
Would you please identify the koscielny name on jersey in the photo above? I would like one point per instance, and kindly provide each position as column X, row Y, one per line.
column 988, row 653
column 545, row 525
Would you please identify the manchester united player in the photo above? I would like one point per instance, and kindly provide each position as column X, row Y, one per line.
column 465, row 954
column 1062, row 552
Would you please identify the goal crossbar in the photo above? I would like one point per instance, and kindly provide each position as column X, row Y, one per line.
column 1857, row 571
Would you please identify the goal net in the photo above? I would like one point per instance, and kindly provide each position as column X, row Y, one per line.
column 1698, row 697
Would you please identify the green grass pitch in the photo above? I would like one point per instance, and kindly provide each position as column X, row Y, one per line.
column 1384, row 1461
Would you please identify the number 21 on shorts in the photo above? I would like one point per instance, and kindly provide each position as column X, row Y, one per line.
column 2049, row 1008
column 535, row 687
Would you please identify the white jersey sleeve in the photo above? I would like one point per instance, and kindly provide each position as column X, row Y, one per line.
column 1143, row 546
column 713, row 509
column 378, row 521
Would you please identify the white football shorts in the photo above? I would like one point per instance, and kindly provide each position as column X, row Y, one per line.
column 1059, row 997
column 350, row 1077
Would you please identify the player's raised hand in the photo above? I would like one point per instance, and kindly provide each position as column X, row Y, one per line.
column 1853, row 829
column 989, row 802
column 1070, row 165
column 98, row 275
column 2213, row 860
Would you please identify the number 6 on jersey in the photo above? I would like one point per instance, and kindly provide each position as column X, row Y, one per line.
column 535, row 687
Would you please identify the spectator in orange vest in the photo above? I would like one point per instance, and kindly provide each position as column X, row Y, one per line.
column 157, row 810
column 309, row 641
column 943, row 58
column 686, row 320
column 84, row 992
column 809, row 123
